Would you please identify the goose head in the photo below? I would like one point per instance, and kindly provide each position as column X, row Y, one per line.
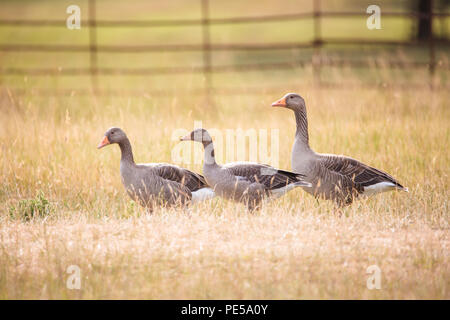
column 291, row 101
column 202, row 136
column 198, row 135
column 113, row 135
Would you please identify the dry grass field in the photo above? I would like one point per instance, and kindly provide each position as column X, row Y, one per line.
column 295, row 247
column 62, row 202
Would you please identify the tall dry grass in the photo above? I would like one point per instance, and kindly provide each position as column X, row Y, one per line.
column 296, row 247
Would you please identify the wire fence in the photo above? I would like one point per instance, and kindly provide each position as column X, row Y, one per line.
column 206, row 47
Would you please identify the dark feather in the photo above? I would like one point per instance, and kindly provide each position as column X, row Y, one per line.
column 270, row 177
column 362, row 175
column 191, row 180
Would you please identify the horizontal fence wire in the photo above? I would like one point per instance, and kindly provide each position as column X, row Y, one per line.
column 155, row 47
column 389, row 64
column 42, row 92
column 212, row 21
column 213, row 47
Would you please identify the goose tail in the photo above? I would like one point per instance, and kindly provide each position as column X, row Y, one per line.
column 276, row 193
column 202, row 195
column 382, row 187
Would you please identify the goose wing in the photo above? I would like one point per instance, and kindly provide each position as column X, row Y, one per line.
column 361, row 174
column 191, row 180
column 270, row 177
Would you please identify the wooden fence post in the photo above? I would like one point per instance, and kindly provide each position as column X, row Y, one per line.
column 317, row 43
column 206, row 52
column 93, row 61
column 432, row 55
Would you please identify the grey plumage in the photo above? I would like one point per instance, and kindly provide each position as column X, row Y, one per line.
column 244, row 182
column 334, row 177
column 153, row 184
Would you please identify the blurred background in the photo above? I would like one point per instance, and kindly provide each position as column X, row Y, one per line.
column 220, row 47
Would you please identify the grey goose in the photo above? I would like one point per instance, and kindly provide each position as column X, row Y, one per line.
column 156, row 183
column 334, row 177
column 244, row 182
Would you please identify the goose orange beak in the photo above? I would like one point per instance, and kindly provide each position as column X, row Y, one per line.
column 103, row 143
column 279, row 103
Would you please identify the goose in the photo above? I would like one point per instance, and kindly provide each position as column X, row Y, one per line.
column 333, row 177
column 244, row 182
column 156, row 183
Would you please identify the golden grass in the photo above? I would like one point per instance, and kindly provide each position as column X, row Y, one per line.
column 296, row 247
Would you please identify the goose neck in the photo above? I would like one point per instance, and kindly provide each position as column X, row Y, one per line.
column 209, row 156
column 302, row 126
column 127, row 152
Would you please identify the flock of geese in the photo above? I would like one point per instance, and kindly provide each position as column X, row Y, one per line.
column 326, row 176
